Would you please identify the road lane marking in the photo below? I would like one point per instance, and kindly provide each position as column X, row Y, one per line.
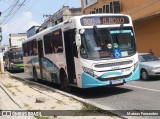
column 142, row 88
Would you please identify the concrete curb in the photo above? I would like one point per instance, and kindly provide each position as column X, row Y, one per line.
column 70, row 95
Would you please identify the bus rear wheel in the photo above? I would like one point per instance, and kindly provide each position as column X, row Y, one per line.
column 65, row 84
column 35, row 75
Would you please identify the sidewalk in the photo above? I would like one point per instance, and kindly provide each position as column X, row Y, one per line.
column 19, row 95
column 6, row 102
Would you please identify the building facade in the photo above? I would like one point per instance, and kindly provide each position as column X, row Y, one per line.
column 32, row 31
column 145, row 15
column 16, row 39
column 61, row 15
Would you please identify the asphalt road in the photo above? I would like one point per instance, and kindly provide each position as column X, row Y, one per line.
column 135, row 95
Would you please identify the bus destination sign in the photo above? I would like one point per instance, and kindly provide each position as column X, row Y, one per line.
column 104, row 20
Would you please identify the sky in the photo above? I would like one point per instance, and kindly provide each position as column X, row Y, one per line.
column 17, row 16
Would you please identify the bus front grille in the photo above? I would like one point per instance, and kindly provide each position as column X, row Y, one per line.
column 113, row 64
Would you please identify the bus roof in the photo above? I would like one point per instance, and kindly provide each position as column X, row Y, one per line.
column 58, row 26
column 103, row 14
column 13, row 49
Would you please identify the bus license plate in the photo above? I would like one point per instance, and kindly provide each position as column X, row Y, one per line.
column 118, row 81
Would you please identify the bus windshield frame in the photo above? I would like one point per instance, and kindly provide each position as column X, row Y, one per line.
column 108, row 43
column 16, row 56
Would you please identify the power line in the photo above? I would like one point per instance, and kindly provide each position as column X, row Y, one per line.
column 15, row 12
column 7, row 9
column 12, row 14
column 34, row 11
column 29, row 9
column 24, row 8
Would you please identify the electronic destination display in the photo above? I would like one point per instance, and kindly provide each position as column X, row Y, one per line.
column 104, row 20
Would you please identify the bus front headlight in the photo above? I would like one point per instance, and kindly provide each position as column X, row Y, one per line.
column 88, row 71
column 13, row 65
column 136, row 65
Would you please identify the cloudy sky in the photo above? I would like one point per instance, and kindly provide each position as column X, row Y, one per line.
column 19, row 15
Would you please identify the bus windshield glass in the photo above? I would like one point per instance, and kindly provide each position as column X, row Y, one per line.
column 108, row 43
column 17, row 56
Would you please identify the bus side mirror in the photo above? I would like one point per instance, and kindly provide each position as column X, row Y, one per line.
column 78, row 39
column 4, row 57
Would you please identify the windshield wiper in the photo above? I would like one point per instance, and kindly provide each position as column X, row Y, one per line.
column 121, row 31
column 96, row 33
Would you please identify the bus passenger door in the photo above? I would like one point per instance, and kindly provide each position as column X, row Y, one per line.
column 71, row 54
column 40, row 58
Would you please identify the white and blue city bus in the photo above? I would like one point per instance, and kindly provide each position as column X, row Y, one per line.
column 85, row 51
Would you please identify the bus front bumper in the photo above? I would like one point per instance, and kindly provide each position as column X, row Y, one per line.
column 89, row 81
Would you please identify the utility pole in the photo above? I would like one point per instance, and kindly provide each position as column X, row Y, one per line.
column 1, row 55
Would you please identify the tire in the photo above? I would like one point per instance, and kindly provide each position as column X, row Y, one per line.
column 62, row 84
column 144, row 75
column 65, row 84
column 35, row 75
column 67, row 88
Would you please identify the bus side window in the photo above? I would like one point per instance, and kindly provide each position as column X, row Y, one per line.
column 57, row 41
column 55, row 48
column 30, row 45
column 35, row 51
column 25, row 49
column 30, row 52
column 48, row 43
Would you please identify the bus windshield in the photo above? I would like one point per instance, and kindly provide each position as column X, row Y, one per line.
column 105, row 41
column 17, row 56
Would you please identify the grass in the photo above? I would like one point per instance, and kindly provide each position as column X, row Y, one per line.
column 41, row 117
column 60, row 102
column 9, row 85
column 71, row 99
column 13, row 77
column 89, row 107
column 13, row 93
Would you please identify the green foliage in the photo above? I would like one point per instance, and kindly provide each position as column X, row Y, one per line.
column 9, row 85
column 41, row 117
